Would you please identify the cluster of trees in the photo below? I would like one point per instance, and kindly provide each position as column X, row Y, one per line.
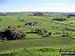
column 71, row 15
column 58, row 19
column 45, row 33
column 42, row 32
column 12, row 34
column 15, row 34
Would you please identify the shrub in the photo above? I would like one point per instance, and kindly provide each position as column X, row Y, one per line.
column 0, row 19
column 8, row 54
column 22, row 20
column 9, row 26
column 57, row 32
column 39, row 31
column 58, row 19
column 49, row 34
column 19, row 34
column 18, row 26
column 47, row 50
column 12, row 34
column 64, row 35
column 32, row 30
column 45, row 31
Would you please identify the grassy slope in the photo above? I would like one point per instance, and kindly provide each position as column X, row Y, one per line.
column 43, row 23
column 33, row 45
column 49, row 42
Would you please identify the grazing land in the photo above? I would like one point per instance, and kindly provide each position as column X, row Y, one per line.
column 52, row 32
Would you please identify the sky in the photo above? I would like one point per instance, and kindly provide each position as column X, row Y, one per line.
column 37, row 5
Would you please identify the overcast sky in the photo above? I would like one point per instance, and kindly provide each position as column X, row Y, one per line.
column 37, row 5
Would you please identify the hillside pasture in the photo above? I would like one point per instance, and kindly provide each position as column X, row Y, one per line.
column 34, row 43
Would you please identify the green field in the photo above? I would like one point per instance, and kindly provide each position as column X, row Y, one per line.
column 36, row 44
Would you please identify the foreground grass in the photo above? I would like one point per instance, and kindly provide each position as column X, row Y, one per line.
column 41, row 42
column 35, row 52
